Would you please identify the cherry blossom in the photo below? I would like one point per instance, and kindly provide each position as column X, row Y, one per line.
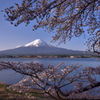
column 52, row 79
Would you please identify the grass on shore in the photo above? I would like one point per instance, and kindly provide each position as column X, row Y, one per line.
column 5, row 94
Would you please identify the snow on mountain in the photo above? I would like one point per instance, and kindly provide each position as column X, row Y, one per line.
column 39, row 47
column 36, row 43
column 19, row 46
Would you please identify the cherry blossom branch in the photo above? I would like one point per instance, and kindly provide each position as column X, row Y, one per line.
column 67, row 17
column 44, row 76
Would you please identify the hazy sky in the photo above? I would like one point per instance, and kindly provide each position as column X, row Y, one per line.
column 11, row 36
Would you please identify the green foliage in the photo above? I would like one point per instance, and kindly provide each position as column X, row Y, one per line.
column 6, row 94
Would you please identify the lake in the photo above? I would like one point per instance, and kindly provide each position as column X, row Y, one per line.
column 11, row 77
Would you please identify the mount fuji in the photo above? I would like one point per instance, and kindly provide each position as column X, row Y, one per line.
column 39, row 47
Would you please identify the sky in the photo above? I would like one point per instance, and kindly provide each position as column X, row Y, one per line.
column 11, row 36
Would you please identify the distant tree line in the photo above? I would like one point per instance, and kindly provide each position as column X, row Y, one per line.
column 49, row 56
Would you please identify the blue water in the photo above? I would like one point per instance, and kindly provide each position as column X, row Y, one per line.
column 11, row 77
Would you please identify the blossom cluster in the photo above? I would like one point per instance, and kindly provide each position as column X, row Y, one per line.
column 67, row 17
column 52, row 79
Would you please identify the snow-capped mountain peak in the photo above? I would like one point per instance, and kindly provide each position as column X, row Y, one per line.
column 39, row 47
column 36, row 43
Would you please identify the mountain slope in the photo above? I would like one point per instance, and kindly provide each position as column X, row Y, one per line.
column 39, row 47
